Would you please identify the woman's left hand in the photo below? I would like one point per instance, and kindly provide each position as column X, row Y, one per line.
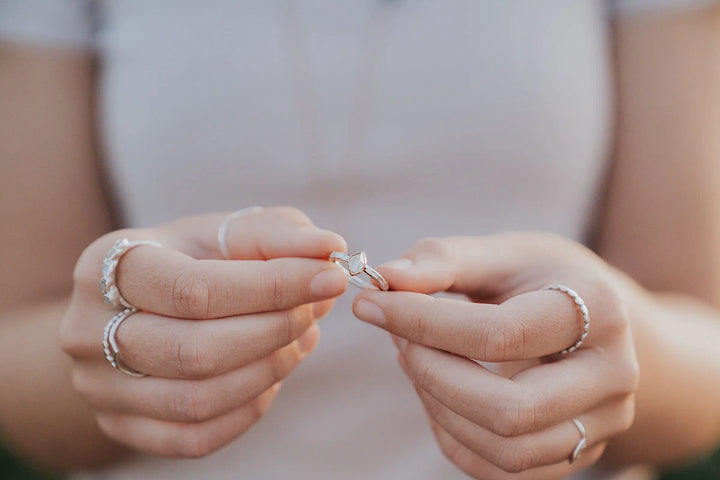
column 520, row 427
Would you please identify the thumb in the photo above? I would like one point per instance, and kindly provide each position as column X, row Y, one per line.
column 482, row 267
column 255, row 234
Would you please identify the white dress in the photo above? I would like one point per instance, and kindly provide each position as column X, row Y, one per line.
column 411, row 117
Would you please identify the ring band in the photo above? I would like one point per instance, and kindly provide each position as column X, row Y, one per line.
column 354, row 265
column 108, row 285
column 222, row 231
column 110, row 346
column 582, row 308
column 577, row 451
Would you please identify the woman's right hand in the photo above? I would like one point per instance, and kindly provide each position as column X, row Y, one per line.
column 215, row 337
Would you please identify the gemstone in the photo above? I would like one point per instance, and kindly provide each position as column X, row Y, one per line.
column 107, row 270
column 357, row 263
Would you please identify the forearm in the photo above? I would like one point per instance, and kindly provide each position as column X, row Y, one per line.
column 41, row 417
column 678, row 401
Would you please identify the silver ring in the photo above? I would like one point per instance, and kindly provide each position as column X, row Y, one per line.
column 108, row 286
column 577, row 451
column 110, row 346
column 582, row 308
column 354, row 265
column 222, row 231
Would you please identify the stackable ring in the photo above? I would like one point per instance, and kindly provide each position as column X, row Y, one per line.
column 108, row 286
column 222, row 231
column 582, row 308
column 110, row 346
column 577, row 451
column 354, row 265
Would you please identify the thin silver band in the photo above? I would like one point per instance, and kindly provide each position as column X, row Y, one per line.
column 222, row 231
column 110, row 346
column 577, row 451
column 582, row 308
column 354, row 265
column 108, row 285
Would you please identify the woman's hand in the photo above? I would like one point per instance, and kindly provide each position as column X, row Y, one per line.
column 490, row 426
column 215, row 337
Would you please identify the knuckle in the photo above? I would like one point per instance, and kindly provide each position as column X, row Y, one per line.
column 194, row 357
column 84, row 273
column 518, row 416
column 500, row 340
column 191, row 294
column 425, row 378
column 626, row 418
column 69, row 342
column 437, row 246
column 630, row 377
column 283, row 362
column 284, row 328
column 515, row 458
column 451, row 450
column 277, row 289
column 83, row 385
column 293, row 214
column 194, row 445
column 192, row 403
column 434, row 408
column 614, row 315
column 255, row 411
column 288, row 325
column 107, row 426
column 416, row 326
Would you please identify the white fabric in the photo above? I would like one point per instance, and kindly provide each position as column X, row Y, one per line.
column 644, row 6
column 64, row 23
column 478, row 117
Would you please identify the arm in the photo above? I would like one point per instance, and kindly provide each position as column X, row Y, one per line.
column 662, row 226
column 207, row 382
column 52, row 206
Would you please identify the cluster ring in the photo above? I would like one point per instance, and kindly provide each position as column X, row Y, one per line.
column 110, row 346
column 108, row 284
column 354, row 265
column 582, row 308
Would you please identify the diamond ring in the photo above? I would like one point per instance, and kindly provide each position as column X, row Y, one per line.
column 354, row 265
column 108, row 285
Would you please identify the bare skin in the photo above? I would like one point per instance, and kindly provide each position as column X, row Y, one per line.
column 661, row 226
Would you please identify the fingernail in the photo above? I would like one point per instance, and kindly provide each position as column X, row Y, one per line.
column 400, row 343
column 399, row 264
column 328, row 283
column 369, row 312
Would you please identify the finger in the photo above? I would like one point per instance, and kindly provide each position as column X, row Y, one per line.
column 530, row 325
column 516, row 454
column 188, row 401
column 182, row 439
column 494, row 266
column 262, row 234
column 320, row 309
column 477, row 467
column 173, row 348
column 529, row 401
column 167, row 282
column 166, row 347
